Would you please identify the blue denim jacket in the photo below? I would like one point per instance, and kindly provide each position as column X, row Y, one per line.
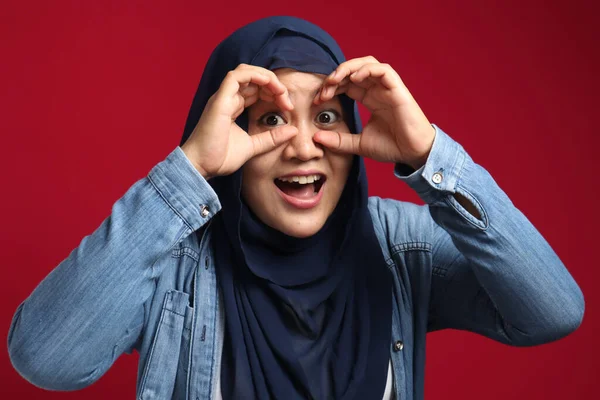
column 144, row 280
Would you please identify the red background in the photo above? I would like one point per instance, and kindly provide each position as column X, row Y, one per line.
column 94, row 94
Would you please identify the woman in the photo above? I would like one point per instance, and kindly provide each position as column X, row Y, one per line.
column 250, row 263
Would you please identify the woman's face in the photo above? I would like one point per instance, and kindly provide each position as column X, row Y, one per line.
column 279, row 186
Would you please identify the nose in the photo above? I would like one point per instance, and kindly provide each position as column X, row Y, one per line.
column 302, row 146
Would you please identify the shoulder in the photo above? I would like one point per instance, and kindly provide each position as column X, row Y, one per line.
column 397, row 221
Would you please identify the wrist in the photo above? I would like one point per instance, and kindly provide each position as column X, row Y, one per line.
column 191, row 157
column 421, row 160
column 416, row 164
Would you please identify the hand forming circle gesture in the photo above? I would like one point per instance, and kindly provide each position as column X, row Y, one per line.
column 218, row 146
column 398, row 130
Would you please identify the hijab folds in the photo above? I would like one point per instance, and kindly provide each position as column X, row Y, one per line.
column 305, row 317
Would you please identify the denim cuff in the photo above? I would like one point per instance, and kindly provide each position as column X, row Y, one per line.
column 185, row 190
column 440, row 173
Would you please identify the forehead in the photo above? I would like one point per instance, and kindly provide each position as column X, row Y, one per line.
column 299, row 83
column 298, row 77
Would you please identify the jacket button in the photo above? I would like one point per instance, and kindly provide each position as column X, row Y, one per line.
column 437, row 177
column 204, row 211
column 398, row 345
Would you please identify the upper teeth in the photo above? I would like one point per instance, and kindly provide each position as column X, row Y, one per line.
column 301, row 179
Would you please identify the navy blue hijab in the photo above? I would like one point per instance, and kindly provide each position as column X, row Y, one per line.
column 305, row 317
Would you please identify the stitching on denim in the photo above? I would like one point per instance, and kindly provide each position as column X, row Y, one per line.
column 175, row 312
column 168, row 203
column 185, row 251
column 169, row 305
column 442, row 271
column 412, row 245
column 379, row 229
column 479, row 206
column 453, row 203
column 470, row 196
column 146, row 310
column 462, row 158
column 390, row 262
column 152, row 348
column 178, row 240
column 482, row 224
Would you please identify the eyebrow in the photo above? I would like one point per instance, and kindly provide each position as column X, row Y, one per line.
column 314, row 92
column 312, row 95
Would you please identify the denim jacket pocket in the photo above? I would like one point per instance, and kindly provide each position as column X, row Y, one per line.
column 180, row 391
column 160, row 372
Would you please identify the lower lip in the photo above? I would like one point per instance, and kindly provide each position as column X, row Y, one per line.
column 302, row 203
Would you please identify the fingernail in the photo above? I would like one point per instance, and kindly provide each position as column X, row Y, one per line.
column 332, row 74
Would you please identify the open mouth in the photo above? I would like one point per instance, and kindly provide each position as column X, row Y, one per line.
column 302, row 186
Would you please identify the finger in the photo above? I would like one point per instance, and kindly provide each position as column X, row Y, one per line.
column 340, row 74
column 352, row 90
column 252, row 93
column 274, row 86
column 365, row 77
column 248, row 76
column 348, row 67
column 248, row 101
column 236, row 79
column 266, row 96
column 350, row 87
column 247, row 89
column 339, row 141
column 277, row 91
column 327, row 91
column 382, row 73
column 265, row 141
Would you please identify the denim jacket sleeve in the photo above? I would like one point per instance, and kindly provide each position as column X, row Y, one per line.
column 92, row 306
column 502, row 279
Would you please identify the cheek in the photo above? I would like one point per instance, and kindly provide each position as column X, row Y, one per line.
column 249, row 180
column 256, row 177
column 342, row 165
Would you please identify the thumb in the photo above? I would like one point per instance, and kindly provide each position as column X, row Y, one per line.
column 268, row 140
column 342, row 142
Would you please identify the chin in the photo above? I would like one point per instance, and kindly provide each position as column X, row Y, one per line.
column 301, row 229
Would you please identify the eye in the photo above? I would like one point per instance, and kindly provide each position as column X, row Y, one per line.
column 328, row 117
column 270, row 119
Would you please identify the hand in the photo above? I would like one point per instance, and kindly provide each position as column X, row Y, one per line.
column 398, row 131
column 218, row 146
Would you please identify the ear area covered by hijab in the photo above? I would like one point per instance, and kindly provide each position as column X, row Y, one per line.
column 305, row 317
